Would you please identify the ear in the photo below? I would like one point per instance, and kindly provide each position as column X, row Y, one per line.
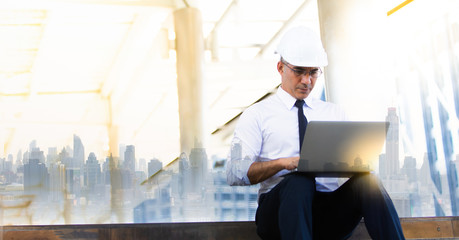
column 280, row 67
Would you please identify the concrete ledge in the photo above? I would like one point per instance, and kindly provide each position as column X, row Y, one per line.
column 414, row 228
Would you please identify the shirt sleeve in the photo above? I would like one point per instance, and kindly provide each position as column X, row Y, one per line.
column 245, row 149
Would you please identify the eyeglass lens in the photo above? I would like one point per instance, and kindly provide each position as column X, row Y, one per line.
column 315, row 73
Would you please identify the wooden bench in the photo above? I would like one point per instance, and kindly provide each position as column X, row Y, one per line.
column 414, row 228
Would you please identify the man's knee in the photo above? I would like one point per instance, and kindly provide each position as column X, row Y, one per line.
column 297, row 185
column 299, row 181
column 369, row 179
column 368, row 184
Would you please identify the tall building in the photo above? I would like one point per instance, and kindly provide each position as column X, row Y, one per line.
column 35, row 178
column 121, row 149
column 127, row 171
column 198, row 165
column 18, row 159
column 142, row 165
column 106, row 171
column 56, row 181
column 129, row 158
column 7, row 166
column 110, row 165
column 73, row 183
column 182, row 178
column 409, row 169
column 154, row 166
column 2, row 163
column 92, row 173
column 78, row 152
column 63, row 154
column 32, row 145
column 25, row 157
column 392, row 164
column 35, row 153
column 52, row 156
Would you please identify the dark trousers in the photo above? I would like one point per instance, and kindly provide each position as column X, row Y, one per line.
column 293, row 209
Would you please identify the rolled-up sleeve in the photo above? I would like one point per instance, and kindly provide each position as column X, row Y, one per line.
column 238, row 164
column 245, row 148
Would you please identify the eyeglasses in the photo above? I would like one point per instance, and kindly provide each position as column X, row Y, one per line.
column 313, row 73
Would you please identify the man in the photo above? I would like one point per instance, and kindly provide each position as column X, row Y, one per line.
column 296, row 206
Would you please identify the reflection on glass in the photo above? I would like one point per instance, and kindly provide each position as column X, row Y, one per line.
column 56, row 190
column 68, row 186
column 61, row 185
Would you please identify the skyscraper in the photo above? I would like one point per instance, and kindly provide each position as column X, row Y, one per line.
column 129, row 158
column 18, row 159
column 32, row 145
column 142, row 166
column 35, row 178
column 92, row 173
column 35, row 153
column 78, row 152
column 52, row 156
column 198, row 167
column 56, row 181
column 154, row 166
column 73, row 183
column 392, row 143
column 121, row 149
column 409, row 168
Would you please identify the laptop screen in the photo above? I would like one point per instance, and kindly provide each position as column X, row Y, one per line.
column 342, row 148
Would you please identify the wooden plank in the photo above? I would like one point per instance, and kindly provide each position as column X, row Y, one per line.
column 413, row 228
column 201, row 231
column 427, row 229
column 455, row 224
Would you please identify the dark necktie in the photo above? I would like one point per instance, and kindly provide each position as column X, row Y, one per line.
column 302, row 121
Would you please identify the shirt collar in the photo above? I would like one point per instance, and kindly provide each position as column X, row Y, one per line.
column 289, row 101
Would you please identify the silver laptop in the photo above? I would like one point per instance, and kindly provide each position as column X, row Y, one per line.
column 341, row 149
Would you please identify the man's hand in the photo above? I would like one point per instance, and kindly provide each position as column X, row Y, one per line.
column 260, row 171
column 290, row 163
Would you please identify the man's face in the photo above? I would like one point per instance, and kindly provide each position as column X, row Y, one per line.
column 298, row 81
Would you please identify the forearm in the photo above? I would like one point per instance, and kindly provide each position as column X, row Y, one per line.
column 260, row 171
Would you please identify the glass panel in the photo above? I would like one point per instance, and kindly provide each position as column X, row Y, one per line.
column 54, row 162
column 422, row 147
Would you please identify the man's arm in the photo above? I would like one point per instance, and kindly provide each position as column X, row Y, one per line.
column 260, row 171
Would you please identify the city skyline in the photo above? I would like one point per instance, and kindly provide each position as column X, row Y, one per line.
column 143, row 190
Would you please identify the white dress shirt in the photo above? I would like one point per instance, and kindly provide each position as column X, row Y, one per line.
column 268, row 130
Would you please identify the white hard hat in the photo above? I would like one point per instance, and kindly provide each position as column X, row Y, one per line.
column 301, row 47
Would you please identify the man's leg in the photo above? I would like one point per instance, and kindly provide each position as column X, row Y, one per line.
column 286, row 211
column 361, row 196
column 267, row 216
column 336, row 214
column 381, row 218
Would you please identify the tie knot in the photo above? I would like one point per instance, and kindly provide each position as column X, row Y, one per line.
column 299, row 104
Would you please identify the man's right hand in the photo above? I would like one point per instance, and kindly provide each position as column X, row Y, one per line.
column 290, row 163
column 260, row 171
